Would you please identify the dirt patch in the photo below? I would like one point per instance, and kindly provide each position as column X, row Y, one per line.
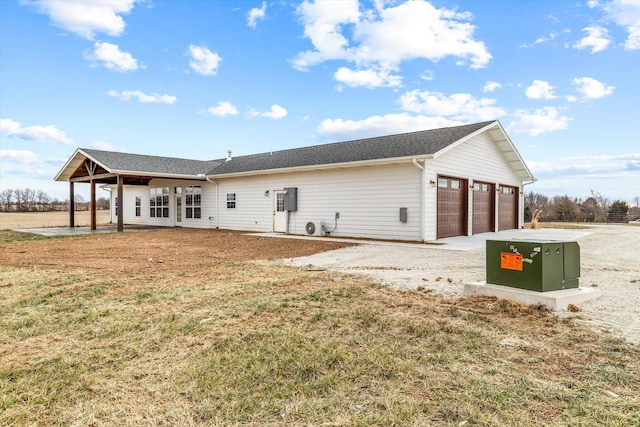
column 190, row 250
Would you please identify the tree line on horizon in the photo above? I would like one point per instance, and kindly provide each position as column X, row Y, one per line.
column 30, row 200
column 595, row 208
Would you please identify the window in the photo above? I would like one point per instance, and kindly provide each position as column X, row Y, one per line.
column 231, row 200
column 159, row 202
column 455, row 184
column 193, row 201
column 443, row 183
column 138, row 205
column 116, row 203
column 508, row 190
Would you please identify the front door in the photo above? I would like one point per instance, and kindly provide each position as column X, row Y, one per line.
column 279, row 214
column 178, row 210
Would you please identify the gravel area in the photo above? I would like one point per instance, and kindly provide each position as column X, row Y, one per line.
column 609, row 259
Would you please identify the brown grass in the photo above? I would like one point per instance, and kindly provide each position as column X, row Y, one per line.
column 230, row 336
column 17, row 220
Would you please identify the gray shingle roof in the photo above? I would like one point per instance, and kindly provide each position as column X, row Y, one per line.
column 411, row 144
column 152, row 164
column 383, row 147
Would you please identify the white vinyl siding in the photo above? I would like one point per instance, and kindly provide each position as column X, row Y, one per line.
column 368, row 200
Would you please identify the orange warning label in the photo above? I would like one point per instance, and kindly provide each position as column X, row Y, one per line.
column 511, row 261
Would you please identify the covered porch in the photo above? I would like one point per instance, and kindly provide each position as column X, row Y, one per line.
column 83, row 169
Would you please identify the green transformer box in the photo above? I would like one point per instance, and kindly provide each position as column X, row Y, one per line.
column 533, row 265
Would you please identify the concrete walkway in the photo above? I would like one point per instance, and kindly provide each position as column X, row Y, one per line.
column 459, row 243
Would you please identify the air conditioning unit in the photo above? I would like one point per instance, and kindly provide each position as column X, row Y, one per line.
column 314, row 228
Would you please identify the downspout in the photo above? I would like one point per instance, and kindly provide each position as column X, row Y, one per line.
column 217, row 202
column 422, row 207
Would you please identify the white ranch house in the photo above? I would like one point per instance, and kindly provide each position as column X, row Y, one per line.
column 418, row 186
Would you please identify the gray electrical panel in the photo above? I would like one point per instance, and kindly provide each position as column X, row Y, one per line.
column 291, row 199
column 403, row 214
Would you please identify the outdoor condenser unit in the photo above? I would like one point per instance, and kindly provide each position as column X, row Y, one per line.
column 533, row 265
column 314, row 228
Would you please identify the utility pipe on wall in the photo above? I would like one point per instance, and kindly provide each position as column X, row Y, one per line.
column 217, row 202
column 422, row 207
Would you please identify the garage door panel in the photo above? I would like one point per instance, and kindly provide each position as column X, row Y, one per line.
column 451, row 207
column 483, row 207
column 507, row 208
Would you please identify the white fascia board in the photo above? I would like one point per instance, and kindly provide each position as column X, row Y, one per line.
column 523, row 166
column 341, row 165
column 68, row 163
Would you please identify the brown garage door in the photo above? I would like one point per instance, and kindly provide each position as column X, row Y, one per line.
column 483, row 207
column 507, row 208
column 452, row 207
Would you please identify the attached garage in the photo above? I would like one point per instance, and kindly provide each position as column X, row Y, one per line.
column 452, row 207
column 483, row 207
column 507, row 208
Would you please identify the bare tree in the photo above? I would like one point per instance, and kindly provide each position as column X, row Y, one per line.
column 534, row 202
column 602, row 206
column 565, row 208
column 102, row 203
column 43, row 201
column 6, row 199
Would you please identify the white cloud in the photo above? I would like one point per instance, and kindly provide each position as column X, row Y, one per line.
column 458, row 106
column 626, row 13
column 85, row 18
column 276, row 112
column 427, row 75
column 383, row 38
column 540, row 90
column 592, row 88
column 142, row 97
column 23, row 157
column 552, row 35
column 255, row 14
column 491, row 86
column 111, row 57
column 547, row 119
column 367, row 78
column 597, row 39
column 37, row 133
column 203, row 61
column 222, row 109
column 380, row 125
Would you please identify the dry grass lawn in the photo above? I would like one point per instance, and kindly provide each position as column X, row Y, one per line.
column 16, row 220
column 206, row 327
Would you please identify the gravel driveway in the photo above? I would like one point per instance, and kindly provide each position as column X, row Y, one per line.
column 609, row 259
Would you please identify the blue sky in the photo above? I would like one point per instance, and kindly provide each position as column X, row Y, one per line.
column 194, row 78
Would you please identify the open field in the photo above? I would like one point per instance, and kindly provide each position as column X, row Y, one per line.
column 206, row 327
column 16, row 220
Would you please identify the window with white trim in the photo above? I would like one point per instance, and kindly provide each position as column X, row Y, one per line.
column 231, row 200
column 159, row 202
column 138, row 205
column 193, row 201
